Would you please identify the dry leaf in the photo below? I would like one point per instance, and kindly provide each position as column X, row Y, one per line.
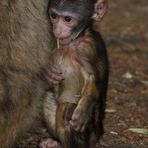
column 139, row 130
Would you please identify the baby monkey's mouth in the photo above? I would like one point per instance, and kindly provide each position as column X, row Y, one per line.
column 68, row 40
column 65, row 41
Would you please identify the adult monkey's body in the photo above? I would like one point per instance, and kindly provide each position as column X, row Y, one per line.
column 81, row 56
column 25, row 44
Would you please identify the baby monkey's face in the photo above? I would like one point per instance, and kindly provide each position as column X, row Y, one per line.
column 64, row 24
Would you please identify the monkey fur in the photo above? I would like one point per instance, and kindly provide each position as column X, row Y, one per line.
column 25, row 46
column 77, row 122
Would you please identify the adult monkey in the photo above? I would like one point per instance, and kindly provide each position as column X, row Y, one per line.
column 25, row 44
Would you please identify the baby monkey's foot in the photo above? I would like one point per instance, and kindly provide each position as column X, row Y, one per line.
column 49, row 143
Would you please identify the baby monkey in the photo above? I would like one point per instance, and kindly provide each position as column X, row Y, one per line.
column 72, row 109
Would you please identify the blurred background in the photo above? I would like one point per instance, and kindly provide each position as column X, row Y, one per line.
column 125, row 31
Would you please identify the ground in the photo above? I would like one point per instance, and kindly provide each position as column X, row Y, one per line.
column 125, row 30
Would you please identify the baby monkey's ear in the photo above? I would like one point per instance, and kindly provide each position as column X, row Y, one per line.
column 100, row 9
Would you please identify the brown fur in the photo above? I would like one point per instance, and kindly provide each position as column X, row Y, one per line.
column 25, row 44
column 85, row 69
column 81, row 56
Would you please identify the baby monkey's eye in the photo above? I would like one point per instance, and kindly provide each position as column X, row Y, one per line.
column 67, row 18
column 53, row 15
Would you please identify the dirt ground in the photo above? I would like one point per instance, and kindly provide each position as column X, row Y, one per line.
column 125, row 30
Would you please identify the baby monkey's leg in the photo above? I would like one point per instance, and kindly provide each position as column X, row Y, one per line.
column 49, row 111
column 68, row 137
